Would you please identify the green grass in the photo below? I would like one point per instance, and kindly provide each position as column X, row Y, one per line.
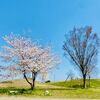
column 68, row 89
column 94, row 83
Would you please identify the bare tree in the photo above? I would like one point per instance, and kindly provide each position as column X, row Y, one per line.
column 90, row 74
column 70, row 75
column 81, row 46
column 27, row 57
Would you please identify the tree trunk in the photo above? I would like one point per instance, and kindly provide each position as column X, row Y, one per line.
column 84, row 81
column 27, row 79
column 89, row 80
column 33, row 80
column 32, row 87
column 32, row 84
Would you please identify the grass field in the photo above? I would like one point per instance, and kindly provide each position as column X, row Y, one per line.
column 68, row 89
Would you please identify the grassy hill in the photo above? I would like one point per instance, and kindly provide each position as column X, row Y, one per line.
column 94, row 83
column 68, row 89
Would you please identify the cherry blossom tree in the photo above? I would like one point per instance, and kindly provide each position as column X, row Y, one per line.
column 27, row 57
column 81, row 46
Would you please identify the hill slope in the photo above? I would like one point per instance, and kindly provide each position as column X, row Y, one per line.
column 68, row 89
column 94, row 83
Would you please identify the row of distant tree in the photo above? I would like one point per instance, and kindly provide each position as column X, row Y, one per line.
column 28, row 58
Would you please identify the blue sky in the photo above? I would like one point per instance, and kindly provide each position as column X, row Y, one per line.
column 48, row 21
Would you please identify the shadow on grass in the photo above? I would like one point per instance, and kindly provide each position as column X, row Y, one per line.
column 17, row 91
column 21, row 91
column 56, row 89
column 76, row 86
column 14, row 91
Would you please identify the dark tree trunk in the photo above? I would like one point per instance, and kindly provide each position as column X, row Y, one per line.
column 32, row 84
column 33, row 80
column 84, row 81
column 32, row 87
column 27, row 79
column 89, row 80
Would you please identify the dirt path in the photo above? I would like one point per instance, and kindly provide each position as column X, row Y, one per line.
column 23, row 98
